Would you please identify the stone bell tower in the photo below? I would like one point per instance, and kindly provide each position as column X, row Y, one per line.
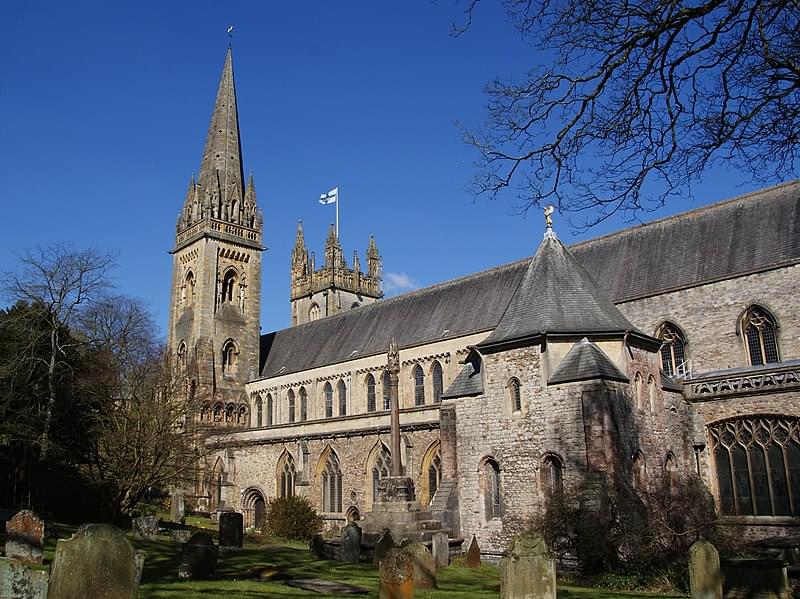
column 216, row 272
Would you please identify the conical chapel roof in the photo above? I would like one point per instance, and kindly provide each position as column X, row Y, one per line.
column 556, row 295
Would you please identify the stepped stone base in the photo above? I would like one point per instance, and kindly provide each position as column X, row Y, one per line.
column 397, row 510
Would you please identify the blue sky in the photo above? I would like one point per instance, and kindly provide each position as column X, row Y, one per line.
column 105, row 108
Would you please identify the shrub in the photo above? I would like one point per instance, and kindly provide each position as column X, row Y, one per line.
column 292, row 518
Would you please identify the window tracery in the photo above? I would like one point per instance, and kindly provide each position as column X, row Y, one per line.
column 760, row 336
column 673, row 350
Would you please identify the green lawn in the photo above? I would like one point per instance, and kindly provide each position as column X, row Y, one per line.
column 236, row 578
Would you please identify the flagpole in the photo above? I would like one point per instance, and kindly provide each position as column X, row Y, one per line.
column 337, row 213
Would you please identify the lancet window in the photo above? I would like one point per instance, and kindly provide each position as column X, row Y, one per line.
column 370, row 393
column 438, row 382
column 331, row 481
column 673, row 350
column 328, row 392
column 419, row 386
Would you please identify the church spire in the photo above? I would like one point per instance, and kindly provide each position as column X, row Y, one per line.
column 221, row 176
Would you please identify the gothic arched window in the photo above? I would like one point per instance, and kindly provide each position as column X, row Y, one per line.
column 380, row 469
column 229, row 290
column 387, row 395
column 269, row 409
column 759, row 329
column 651, row 392
column 489, row 485
column 757, row 461
column 303, row 404
column 187, row 294
column 259, row 411
column 328, row 392
column 286, row 475
column 290, row 398
column 331, row 485
column 370, row 393
column 515, row 394
column 341, row 390
column 551, row 475
column 419, row 386
column 313, row 312
column 673, row 350
column 438, row 382
column 230, row 357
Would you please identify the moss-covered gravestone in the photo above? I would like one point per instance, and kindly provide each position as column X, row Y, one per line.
column 97, row 562
column 25, row 537
column 198, row 558
column 231, row 529
column 396, row 575
column 705, row 577
column 17, row 581
column 351, row 543
column 382, row 547
column 473, row 559
column 441, row 550
column 424, row 565
column 528, row 571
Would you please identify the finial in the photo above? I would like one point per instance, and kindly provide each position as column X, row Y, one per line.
column 230, row 35
column 548, row 221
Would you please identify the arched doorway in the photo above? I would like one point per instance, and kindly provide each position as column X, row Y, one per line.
column 254, row 508
column 259, row 513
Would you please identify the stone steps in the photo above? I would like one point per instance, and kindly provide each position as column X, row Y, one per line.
column 440, row 498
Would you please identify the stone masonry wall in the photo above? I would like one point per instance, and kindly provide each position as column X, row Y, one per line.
column 709, row 316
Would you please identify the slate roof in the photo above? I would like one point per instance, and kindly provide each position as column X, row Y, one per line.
column 586, row 361
column 555, row 295
column 750, row 233
column 469, row 381
column 467, row 305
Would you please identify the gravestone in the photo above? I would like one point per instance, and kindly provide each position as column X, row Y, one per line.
column 351, row 543
column 473, row 559
column 198, row 558
column 20, row 582
column 177, row 506
column 145, row 528
column 441, row 550
column 705, row 577
column 25, row 537
column 97, row 562
column 528, row 571
column 746, row 578
column 382, row 547
column 317, row 547
column 231, row 529
column 180, row 535
column 396, row 575
column 424, row 565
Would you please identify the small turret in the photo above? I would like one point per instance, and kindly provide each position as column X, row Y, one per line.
column 333, row 250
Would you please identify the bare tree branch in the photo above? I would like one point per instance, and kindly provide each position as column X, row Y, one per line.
column 637, row 100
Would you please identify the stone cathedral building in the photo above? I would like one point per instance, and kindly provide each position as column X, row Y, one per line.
column 660, row 352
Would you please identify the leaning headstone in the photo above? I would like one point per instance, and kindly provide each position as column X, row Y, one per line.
column 705, row 577
column 382, row 547
column 473, row 559
column 25, row 537
column 180, row 535
column 20, row 582
column 198, row 558
column 441, row 550
column 396, row 576
column 231, row 529
column 424, row 565
column 138, row 561
column 177, row 506
column 528, row 570
column 317, row 547
column 351, row 543
column 97, row 562
column 146, row 528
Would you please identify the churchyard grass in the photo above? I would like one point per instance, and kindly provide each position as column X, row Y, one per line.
column 293, row 559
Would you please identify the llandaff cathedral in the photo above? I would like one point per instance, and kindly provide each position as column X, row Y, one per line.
column 660, row 352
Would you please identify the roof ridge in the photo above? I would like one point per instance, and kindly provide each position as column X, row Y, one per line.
column 681, row 215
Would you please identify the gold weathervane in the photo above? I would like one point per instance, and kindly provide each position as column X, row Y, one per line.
column 548, row 215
